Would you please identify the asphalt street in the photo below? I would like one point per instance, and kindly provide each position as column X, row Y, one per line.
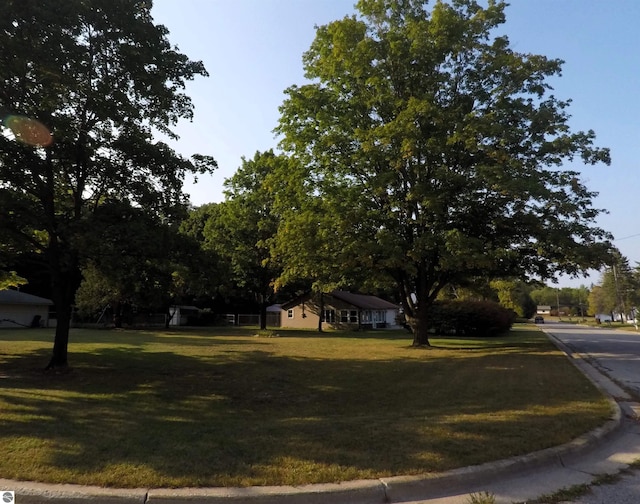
column 616, row 354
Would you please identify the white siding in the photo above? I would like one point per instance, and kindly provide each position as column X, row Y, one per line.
column 12, row 316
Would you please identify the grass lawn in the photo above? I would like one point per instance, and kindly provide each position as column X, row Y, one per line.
column 223, row 408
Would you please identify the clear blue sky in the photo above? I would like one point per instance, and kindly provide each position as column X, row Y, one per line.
column 253, row 49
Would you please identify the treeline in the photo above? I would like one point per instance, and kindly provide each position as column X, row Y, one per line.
column 423, row 157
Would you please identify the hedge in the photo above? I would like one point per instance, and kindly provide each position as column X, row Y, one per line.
column 470, row 318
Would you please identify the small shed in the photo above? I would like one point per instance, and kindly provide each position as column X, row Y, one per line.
column 544, row 310
column 18, row 309
column 181, row 314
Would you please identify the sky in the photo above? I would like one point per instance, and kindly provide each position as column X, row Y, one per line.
column 253, row 50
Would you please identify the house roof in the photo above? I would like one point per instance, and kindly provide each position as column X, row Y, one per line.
column 186, row 307
column 14, row 297
column 362, row 301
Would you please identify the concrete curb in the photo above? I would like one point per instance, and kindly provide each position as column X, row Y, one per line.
column 386, row 490
column 356, row 492
column 37, row 493
column 394, row 489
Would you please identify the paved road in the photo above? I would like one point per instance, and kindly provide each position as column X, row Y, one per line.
column 616, row 354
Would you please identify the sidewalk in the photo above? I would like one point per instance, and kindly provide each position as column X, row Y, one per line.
column 606, row 450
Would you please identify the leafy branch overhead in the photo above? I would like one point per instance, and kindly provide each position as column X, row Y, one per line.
column 102, row 77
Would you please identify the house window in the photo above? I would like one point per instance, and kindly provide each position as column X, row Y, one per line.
column 290, row 313
column 349, row 316
column 329, row 316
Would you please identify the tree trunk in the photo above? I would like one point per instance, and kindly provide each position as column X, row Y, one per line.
column 63, row 295
column 61, row 339
column 117, row 315
column 65, row 283
column 263, row 313
column 417, row 317
column 320, row 312
column 419, row 328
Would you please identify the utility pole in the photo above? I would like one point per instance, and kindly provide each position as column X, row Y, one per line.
column 619, row 298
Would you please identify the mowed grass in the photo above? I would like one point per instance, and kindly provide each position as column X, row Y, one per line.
column 224, row 408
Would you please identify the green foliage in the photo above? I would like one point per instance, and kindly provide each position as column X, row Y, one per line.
column 597, row 301
column 238, row 233
column 136, row 261
column 102, row 77
column 242, row 228
column 201, row 272
column 11, row 279
column 619, row 288
column 570, row 300
column 470, row 318
column 514, row 295
column 433, row 152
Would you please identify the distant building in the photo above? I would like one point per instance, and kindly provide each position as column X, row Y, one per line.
column 544, row 310
column 340, row 310
column 18, row 309
column 181, row 315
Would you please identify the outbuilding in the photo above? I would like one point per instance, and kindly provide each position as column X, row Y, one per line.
column 182, row 315
column 18, row 309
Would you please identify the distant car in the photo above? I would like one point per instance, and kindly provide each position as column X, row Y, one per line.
column 539, row 320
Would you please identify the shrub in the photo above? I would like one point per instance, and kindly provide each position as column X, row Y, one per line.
column 470, row 318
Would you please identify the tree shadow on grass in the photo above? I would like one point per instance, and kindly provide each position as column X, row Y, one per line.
column 127, row 417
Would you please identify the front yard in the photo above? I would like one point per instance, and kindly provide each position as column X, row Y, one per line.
column 223, row 408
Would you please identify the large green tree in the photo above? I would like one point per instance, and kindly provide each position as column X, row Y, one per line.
column 438, row 150
column 136, row 260
column 102, row 77
column 241, row 231
column 515, row 295
column 619, row 287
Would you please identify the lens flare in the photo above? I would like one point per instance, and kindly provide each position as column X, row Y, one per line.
column 28, row 131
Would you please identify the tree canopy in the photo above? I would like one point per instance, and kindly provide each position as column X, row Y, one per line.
column 240, row 232
column 438, row 151
column 102, row 78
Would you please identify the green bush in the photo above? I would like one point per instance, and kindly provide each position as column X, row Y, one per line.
column 470, row 318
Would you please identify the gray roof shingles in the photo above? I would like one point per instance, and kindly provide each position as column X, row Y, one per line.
column 14, row 297
column 363, row 301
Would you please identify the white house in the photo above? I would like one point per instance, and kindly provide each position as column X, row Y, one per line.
column 18, row 309
column 544, row 310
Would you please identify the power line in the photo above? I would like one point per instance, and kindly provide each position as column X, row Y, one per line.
column 625, row 237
